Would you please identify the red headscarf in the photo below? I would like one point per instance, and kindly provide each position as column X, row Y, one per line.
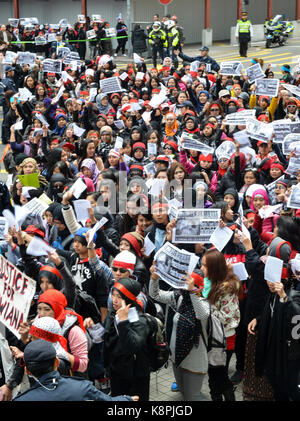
column 58, row 303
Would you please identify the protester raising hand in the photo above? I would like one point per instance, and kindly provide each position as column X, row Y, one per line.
column 122, row 313
column 154, row 276
column 169, row 229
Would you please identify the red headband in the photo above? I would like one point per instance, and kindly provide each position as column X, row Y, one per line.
column 250, row 214
column 31, row 229
column 208, row 157
column 128, row 294
column 52, row 270
column 210, row 125
column 48, row 336
column 160, row 205
column 139, row 145
column 134, row 242
column 125, row 265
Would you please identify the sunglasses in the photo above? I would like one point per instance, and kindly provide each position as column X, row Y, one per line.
column 121, row 270
column 223, row 160
column 214, row 109
column 168, row 147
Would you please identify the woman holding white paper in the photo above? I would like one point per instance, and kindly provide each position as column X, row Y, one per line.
column 188, row 350
column 221, row 289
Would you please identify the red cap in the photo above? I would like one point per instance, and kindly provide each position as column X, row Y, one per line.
column 69, row 146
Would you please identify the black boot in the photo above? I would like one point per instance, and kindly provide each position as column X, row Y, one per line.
column 229, row 394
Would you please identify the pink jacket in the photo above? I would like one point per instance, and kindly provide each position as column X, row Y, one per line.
column 184, row 160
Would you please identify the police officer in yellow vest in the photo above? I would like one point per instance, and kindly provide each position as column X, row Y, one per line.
column 173, row 40
column 244, row 33
column 158, row 41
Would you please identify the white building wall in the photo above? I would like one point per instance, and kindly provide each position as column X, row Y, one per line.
column 50, row 11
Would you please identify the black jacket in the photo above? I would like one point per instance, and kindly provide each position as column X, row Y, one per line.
column 138, row 40
column 125, row 351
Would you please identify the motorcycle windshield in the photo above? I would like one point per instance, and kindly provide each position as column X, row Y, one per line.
column 276, row 20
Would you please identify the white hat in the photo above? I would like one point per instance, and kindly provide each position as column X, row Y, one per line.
column 48, row 329
column 89, row 72
column 125, row 260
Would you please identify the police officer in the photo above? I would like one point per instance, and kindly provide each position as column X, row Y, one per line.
column 158, row 41
column 41, row 363
column 173, row 40
column 244, row 33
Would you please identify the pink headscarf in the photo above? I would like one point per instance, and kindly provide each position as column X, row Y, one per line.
column 261, row 192
column 92, row 166
column 89, row 184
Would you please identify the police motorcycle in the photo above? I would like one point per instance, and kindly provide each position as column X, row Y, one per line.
column 278, row 30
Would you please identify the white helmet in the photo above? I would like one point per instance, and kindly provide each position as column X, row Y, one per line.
column 156, row 26
column 169, row 24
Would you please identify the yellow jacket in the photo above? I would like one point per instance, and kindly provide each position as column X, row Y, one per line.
column 271, row 108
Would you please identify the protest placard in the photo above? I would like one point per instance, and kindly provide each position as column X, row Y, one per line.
column 42, row 119
column 268, row 87
column 171, row 265
column 52, row 66
column 41, row 40
column 289, row 140
column 293, row 167
column 259, row 130
column 271, row 190
column 81, row 18
column 194, row 66
column 195, row 225
column 294, row 197
column 96, row 227
column 96, row 18
column 109, row 85
column 13, row 22
column 62, row 52
column 208, row 67
column 35, row 207
column 110, row 32
column 239, row 118
column 231, row 68
column 220, row 237
column 190, row 143
column 242, row 138
column 25, row 58
column 10, row 57
column 51, row 37
column 281, row 128
column 16, row 293
column 292, row 88
column 91, row 34
column 254, row 72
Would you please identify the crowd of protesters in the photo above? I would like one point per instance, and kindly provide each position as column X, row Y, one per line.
column 89, row 283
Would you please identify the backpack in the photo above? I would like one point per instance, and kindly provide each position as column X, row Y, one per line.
column 216, row 341
column 156, row 343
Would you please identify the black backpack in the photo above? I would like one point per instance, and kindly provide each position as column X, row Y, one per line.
column 156, row 342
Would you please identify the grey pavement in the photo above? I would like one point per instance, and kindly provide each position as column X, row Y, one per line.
column 160, row 385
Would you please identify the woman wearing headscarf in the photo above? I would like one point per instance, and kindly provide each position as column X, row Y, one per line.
column 61, row 121
column 171, row 127
column 188, row 350
column 52, row 303
column 125, row 342
column 103, row 104
column 90, row 170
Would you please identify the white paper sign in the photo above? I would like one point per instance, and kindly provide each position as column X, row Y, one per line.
column 240, row 270
column 267, row 87
column 273, row 269
column 220, row 237
column 109, row 85
column 254, row 72
column 231, row 68
column 78, row 131
column 78, row 187
column 81, row 207
column 38, row 247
